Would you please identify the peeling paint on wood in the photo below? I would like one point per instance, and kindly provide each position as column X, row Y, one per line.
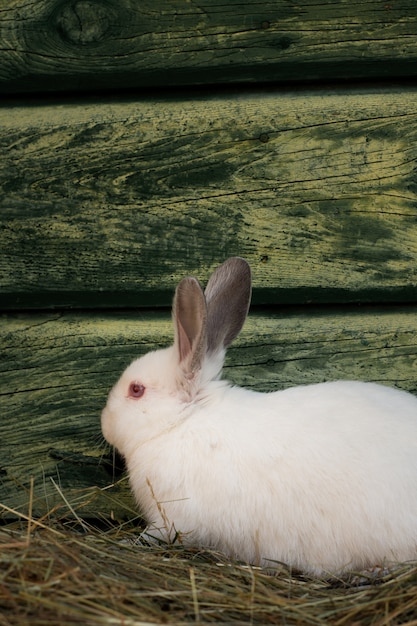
column 89, row 44
column 112, row 204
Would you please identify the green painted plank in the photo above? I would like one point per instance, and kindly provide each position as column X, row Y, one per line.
column 110, row 205
column 49, row 45
column 56, row 371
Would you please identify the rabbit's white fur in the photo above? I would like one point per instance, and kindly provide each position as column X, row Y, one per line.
column 321, row 477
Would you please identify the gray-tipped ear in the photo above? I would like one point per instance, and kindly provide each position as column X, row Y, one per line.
column 228, row 295
column 190, row 323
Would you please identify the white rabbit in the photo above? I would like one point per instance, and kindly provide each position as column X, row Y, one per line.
column 321, row 477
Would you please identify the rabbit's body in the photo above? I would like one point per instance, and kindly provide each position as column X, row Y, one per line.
column 322, row 477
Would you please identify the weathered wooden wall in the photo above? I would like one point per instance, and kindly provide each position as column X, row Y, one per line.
column 60, row 45
column 317, row 190
column 108, row 199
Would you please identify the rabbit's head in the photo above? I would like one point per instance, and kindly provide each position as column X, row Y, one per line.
column 158, row 389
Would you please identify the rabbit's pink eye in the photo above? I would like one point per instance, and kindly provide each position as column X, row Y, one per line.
column 136, row 390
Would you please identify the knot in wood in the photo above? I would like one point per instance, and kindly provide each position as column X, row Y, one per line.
column 85, row 21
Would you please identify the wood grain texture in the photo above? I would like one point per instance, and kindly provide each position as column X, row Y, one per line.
column 87, row 44
column 56, row 371
column 112, row 204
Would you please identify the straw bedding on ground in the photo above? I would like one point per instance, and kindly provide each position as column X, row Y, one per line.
column 64, row 570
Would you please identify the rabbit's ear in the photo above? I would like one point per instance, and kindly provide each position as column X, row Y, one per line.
column 190, row 322
column 228, row 295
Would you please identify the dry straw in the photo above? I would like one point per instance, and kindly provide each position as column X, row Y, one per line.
column 60, row 569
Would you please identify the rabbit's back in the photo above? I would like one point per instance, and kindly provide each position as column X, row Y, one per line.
column 323, row 477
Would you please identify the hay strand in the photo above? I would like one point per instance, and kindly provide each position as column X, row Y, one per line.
column 56, row 570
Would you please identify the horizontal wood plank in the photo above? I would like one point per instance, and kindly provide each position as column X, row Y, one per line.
column 56, row 371
column 112, row 204
column 87, row 44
